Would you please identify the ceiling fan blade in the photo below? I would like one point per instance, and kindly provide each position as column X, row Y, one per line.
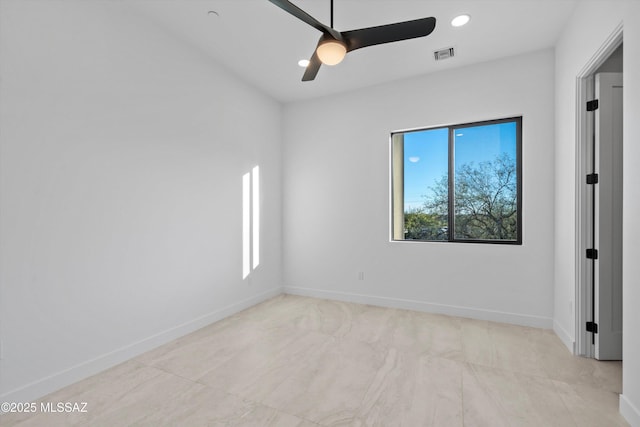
column 364, row 37
column 294, row 10
column 313, row 68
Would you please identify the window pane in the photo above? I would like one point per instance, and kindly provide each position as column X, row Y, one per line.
column 426, row 195
column 486, row 182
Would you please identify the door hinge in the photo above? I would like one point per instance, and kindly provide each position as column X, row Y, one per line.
column 592, row 327
column 592, row 253
column 592, row 105
column 592, row 178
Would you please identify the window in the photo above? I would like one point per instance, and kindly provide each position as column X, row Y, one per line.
column 458, row 183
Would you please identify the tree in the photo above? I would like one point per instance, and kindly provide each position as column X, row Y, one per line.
column 420, row 225
column 485, row 199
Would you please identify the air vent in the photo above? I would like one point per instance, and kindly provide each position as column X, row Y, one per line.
column 443, row 54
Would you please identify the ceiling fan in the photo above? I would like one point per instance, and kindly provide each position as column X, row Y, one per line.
column 334, row 45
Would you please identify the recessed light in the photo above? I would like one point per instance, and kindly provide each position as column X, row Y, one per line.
column 460, row 20
column 303, row 63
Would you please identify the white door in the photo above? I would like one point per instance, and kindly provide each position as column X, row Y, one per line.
column 608, row 217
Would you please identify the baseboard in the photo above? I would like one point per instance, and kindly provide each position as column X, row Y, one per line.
column 565, row 337
column 629, row 411
column 451, row 310
column 44, row 386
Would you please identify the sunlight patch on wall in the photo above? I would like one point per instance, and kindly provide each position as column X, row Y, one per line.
column 250, row 221
column 246, row 225
column 256, row 215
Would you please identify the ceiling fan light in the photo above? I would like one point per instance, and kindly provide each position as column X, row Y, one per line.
column 331, row 52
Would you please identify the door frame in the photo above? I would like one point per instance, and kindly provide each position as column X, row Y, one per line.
column 584, row 138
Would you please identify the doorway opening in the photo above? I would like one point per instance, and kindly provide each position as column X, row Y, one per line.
column 599, row 204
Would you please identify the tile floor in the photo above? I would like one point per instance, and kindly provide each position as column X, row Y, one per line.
column 296, row 361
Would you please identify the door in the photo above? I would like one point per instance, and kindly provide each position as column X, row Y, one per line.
column 608, row 217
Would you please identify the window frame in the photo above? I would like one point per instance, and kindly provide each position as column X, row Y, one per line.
column 451, row 182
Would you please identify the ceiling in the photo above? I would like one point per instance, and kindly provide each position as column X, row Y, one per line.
column 261, row 43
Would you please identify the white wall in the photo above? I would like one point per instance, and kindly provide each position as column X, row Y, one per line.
column 591, row 25
column 121, row 178
column 336, row 196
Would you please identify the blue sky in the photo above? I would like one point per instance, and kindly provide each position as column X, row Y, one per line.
column 426, row 154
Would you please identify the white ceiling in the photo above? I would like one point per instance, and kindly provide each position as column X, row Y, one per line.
column 262, row 43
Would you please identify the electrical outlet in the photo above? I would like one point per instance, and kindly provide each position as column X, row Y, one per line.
column 360, row 275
